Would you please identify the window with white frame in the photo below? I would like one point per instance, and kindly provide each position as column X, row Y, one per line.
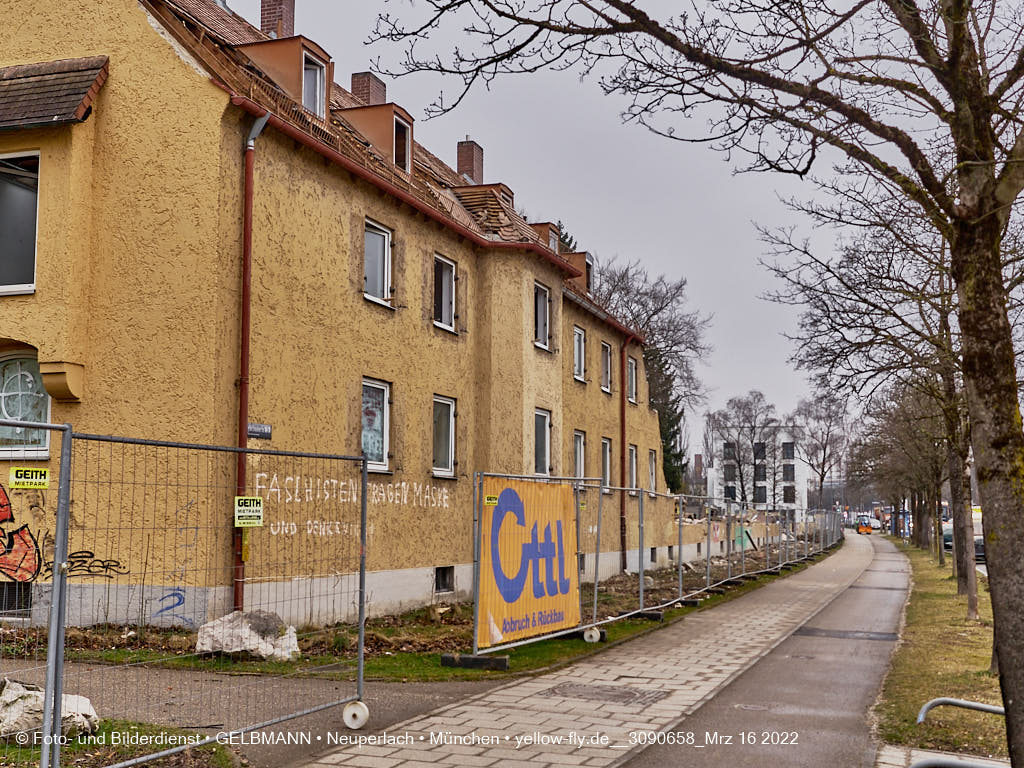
column 444, row 436
column 579, row 454
column 19, row 201
column 314, row 80
column 631, row 380
column 444, row 293
column 376, row 418
column 542, row 441
column 403, row 145
column 23, row 398
column 553, row 240
column 652, row 471
column 632, row 466
column 579, row 354
column 606, row 367
column 377, row 262
column 541, row 315
column 606, row 461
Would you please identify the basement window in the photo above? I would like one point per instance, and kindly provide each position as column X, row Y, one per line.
column 314, row 81
column 444, row 578
column 19, row 198
column 403, row 145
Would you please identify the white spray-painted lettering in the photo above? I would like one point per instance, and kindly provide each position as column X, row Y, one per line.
column 297, row 489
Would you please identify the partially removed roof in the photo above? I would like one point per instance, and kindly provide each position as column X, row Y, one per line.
column 50, row 92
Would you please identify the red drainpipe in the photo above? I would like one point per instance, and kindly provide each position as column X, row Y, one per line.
column 238, row 581
column 622, row 451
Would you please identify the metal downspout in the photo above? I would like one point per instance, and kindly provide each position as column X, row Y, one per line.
column 243, row 377
column 622, row 452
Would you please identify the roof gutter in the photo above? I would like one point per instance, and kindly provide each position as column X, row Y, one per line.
column 370, row 177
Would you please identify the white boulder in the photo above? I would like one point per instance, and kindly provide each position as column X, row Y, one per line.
column 259, row 633
column 21, row 711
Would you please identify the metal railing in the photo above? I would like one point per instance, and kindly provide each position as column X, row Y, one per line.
column 641, row 552
column 127, row 584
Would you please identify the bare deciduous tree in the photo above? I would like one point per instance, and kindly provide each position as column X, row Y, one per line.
column 884, row 82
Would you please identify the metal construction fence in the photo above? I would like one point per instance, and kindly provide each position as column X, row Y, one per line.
column 144, row 546
column 631, row 550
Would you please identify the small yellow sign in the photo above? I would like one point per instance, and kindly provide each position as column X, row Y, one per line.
column 248, row 512
column 490, row 501
column 34, row 478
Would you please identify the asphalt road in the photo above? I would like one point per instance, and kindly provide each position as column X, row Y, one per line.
column 811, row 694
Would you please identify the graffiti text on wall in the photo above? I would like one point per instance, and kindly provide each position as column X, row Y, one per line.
column 298, row 489
column 20, row 559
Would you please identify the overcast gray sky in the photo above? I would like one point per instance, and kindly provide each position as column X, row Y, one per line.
column 621, row 191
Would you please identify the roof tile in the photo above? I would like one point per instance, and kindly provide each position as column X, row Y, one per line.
column 50, row 92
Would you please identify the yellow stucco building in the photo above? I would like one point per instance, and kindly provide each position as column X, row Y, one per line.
column 200, row 229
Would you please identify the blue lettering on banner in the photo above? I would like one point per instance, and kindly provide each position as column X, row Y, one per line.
column 534, row 551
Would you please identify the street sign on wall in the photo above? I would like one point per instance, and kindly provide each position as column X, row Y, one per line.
column 528, row 580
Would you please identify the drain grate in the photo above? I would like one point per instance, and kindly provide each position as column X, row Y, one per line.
column 845, row 634
column 610, row 693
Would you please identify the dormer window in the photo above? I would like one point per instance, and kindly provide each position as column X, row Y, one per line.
column 553, row 240
column 403, row 145
column 590, row 273
column 314, row 81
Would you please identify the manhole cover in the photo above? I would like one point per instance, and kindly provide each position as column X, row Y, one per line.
column 752, row 707
column 617, row 694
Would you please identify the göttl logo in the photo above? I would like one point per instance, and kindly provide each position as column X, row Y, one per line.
column 534, row 552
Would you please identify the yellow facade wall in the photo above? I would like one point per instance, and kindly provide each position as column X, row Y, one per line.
column 138, row 270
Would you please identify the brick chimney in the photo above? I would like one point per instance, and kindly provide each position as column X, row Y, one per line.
column 277, row 18
column 470, row 161
column 369, row 88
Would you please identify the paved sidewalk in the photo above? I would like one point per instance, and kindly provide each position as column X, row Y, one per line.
column 613, row 700
column 890, row 756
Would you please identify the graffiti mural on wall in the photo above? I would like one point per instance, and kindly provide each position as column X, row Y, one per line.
column 20, row 558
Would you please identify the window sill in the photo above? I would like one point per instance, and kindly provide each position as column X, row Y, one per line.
column 631, row 402
column 17, row 290
column 579, row 379
column 379, row 471
column 379, row 301
column 606, row 391
column 15, row 455
column 543, row 347
column 446, row 328
column 444, row 475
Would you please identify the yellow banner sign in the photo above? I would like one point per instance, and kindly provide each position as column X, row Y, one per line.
column 34, row 478
column 528, row 580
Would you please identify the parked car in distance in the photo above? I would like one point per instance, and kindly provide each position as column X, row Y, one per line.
column 876, row 524
column 979, row 549
column 947, row 537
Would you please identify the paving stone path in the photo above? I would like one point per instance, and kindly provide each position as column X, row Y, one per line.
column 613, row 701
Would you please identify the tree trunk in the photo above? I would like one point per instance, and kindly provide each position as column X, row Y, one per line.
column 998, row 442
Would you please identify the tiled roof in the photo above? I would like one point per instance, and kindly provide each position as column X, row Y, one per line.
column 226, row 25
column 50, row 92
column 210, row 33
column 494, row 215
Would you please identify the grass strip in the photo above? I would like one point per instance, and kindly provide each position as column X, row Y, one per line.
column 107, row 746
column 941, row 654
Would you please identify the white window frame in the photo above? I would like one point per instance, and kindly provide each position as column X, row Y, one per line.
column 373, row 466
column 38, row 452
column 632, row 467
column 546, row 306
column 579, row 354
column 606, row 367
column 652, row 467
column 448, row 471
column 547, row 441
column 385, row 300
column 631, row 379
column 319, row 109
column 408, row 145
column 25, row 288
column 579, row 453
column 606, row 463
column 553, row 240
column 438, row 257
